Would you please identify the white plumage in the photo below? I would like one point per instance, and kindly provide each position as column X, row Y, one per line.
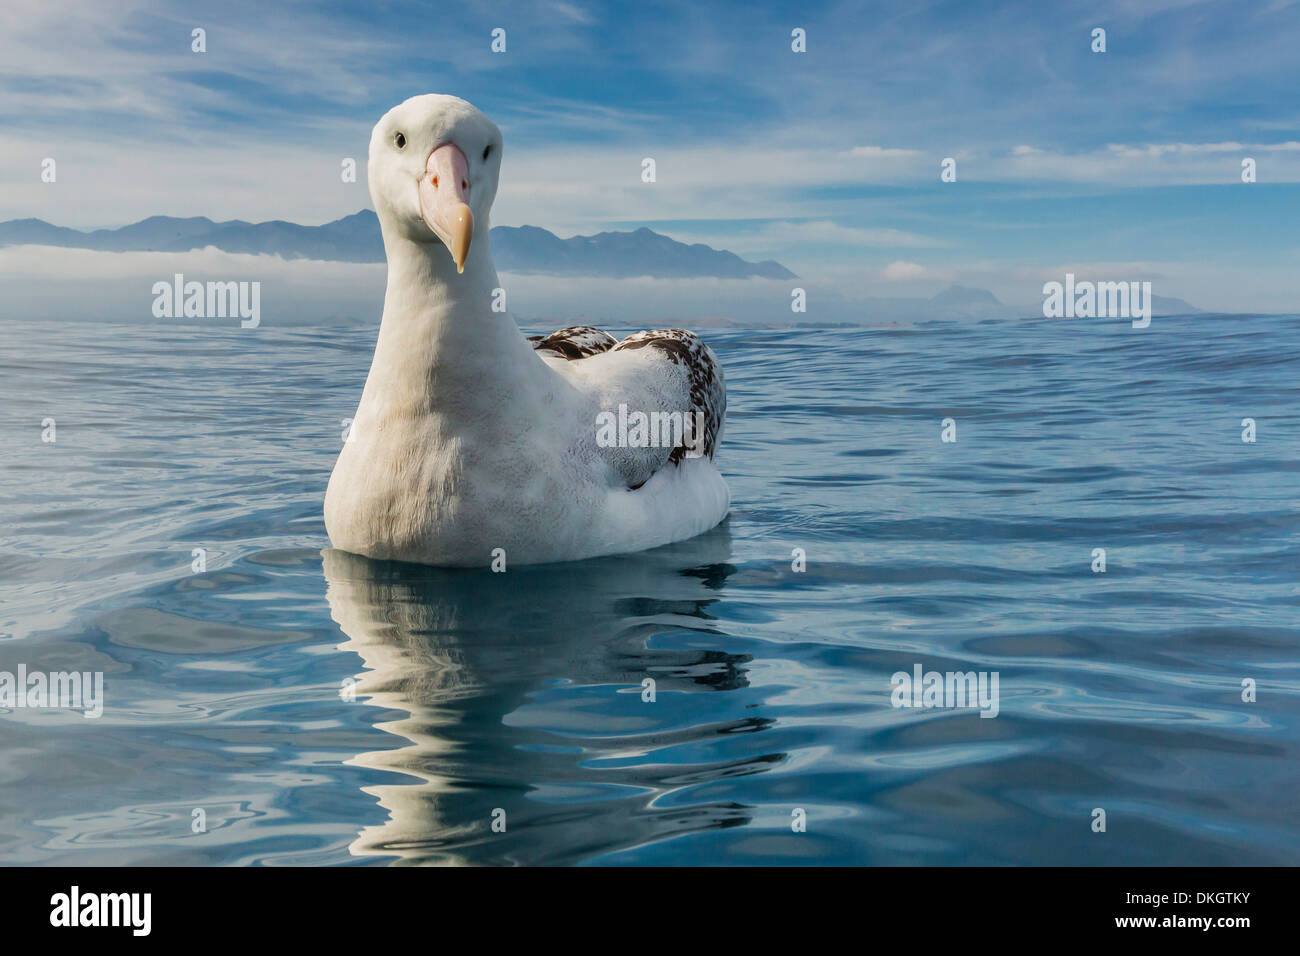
column 470, row 437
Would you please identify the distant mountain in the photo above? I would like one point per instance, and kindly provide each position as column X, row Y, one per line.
column 356, row 238
column 954, row 302
column 1165, row 305
column 962, row 302
column 621, row 255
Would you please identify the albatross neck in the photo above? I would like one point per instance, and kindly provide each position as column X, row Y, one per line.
column 440, row 341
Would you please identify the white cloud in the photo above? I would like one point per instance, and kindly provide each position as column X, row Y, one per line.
column 902, row 271
column 1114, row 271
column 780, row 240
column 53, row 284
column 56, row 284
column 1149, row 164
column 574, row 13
column 567, row 190
column 827, row 231
column 109, row 183
column 883, row 152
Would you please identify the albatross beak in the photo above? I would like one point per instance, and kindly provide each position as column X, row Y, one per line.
column 444, row 195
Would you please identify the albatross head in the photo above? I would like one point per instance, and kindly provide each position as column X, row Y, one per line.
column 433, row 169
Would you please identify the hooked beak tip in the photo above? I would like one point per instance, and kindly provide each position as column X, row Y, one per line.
column 443, row 193
column 461, row 232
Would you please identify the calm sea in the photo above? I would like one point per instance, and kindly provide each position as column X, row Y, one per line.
column 269, row 701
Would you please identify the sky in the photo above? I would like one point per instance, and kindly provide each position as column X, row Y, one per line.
column 1119, row 165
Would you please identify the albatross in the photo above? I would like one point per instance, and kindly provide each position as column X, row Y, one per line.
column 472, row 443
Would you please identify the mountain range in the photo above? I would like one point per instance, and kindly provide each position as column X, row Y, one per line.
column 530, row 250
column 963, row 302
column 356, row 238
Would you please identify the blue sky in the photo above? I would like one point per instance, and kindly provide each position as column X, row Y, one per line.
column 1123, row 164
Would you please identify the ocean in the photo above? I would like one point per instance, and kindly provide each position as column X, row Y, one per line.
column 726, row 700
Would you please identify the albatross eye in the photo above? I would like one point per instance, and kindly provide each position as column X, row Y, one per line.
column 486, row 150
column 400, row 140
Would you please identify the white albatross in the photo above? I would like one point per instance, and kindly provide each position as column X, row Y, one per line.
column 470, row 437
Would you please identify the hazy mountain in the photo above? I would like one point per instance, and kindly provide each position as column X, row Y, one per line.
column 1166, row 305
column 356, row 238
column 621, row 255
column 963, row 302
column 531, row 250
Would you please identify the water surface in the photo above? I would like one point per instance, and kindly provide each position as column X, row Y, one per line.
column 320, row 708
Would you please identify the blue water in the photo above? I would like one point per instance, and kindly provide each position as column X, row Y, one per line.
column 324, row 709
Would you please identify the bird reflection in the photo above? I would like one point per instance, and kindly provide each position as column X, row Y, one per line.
column 520, row 694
